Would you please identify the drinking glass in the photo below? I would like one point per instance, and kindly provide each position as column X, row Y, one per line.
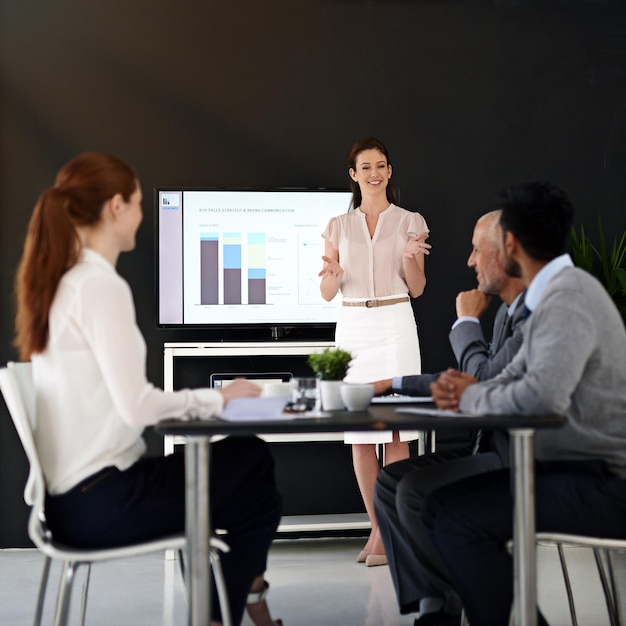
column 305, row 395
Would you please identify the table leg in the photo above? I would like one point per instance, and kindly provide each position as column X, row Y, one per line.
column 524, row 549
column 198, row 564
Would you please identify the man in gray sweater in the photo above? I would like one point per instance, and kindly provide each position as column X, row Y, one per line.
column 417, row 572
column 572, row 362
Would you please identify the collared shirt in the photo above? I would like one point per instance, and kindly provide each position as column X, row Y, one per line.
column 511, row 308
column 373, row 266
column 93, row 396
column 543, row 277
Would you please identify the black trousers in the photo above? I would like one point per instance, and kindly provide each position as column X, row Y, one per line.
column 471, row 521
column 417, row 570
column 147, row 501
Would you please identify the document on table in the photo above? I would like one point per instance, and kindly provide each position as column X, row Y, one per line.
column 255, row 409
column 400, row 399
column 433, row 412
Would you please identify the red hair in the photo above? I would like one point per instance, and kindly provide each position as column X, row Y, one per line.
column 52, row 244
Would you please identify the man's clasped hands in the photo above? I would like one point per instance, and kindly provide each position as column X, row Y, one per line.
column 449, row 387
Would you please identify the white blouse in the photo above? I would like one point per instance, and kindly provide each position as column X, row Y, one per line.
column 93, row 396
column 373, row 265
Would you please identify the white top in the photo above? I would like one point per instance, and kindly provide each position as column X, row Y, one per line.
column 373, row 265
column 93, row 396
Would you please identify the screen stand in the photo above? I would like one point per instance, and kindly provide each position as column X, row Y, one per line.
column 277, row 332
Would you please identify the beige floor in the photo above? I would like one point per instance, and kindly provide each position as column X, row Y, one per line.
column 314, row 582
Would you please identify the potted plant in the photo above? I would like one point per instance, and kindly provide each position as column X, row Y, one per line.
column 608, row 265
column 330, row 367
column 331, row 364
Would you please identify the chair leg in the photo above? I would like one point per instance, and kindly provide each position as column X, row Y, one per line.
column 218, row 576
column 42, row 590
column 568, row 584
column 614, row 589
column 65, row 593
column 606, row 586
column 83, row 599
column 220, row 584
column 181, row 566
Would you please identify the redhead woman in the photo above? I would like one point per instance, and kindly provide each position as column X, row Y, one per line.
column 374, row 255
column 76, row 323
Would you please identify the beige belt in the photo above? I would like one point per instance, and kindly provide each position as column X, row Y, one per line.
column 372, row 303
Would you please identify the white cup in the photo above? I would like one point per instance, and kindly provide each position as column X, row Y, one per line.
column 277, row 389
column 355, row 396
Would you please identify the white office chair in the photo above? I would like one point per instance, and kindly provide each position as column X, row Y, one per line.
column 18, row 390
column 603, row 550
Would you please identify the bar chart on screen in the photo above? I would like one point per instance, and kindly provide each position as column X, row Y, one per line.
column 244, row 257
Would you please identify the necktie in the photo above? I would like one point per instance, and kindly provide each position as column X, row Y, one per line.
column 503, row 335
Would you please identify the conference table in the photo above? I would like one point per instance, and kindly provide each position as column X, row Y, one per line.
column 198, row 434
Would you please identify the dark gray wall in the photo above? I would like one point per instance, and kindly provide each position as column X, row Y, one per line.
column 468, row 95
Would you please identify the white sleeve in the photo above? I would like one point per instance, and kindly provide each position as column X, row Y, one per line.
column 108, row 320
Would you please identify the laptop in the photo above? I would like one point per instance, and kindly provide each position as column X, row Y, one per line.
column 221, row 380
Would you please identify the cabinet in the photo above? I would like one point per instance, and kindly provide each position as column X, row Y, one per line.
column 313, row 471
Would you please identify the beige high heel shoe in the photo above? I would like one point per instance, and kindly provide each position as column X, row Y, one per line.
column 362, row 556
column 254, row 597
column 374, row 560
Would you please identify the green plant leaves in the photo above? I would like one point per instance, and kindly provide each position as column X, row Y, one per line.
column 331, row 364
column 607, row 264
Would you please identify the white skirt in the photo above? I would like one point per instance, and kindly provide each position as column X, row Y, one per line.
column 384, row 343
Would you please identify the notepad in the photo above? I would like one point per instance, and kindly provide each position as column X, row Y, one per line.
column 434, row 413
column 401, row 399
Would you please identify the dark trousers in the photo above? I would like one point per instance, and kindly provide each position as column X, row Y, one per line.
column 147, row 501
column 416, row 568
column 471, row 522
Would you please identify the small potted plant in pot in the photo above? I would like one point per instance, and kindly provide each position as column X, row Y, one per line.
column 330, row 366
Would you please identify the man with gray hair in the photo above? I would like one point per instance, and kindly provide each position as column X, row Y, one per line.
column 419, row 576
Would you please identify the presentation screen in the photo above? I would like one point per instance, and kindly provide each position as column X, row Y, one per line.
column 243, row 257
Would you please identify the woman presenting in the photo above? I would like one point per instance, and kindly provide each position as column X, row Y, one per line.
column 76, row 322
column 374, row 254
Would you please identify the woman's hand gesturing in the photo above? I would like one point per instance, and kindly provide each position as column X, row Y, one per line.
column 416, row 245
column 331, row 268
